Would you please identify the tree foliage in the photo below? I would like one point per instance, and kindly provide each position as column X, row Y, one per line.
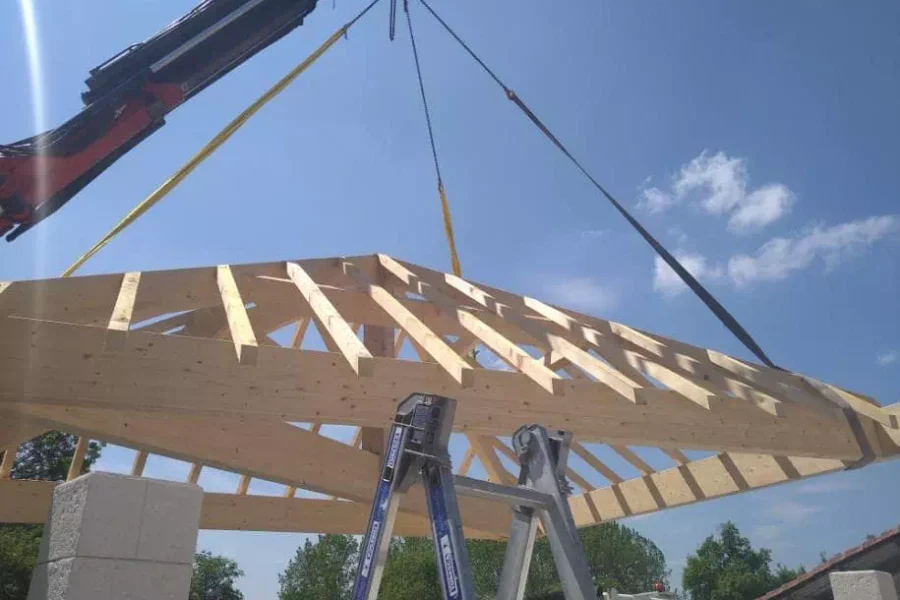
column 19, row 545
column 618, row 556
column 321, row 570
column 47, row 458
column 728, row 568
column 411, row 572
column 214, row 578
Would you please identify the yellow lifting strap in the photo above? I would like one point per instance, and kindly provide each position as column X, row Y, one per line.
column 448, row 229
column 213, row 145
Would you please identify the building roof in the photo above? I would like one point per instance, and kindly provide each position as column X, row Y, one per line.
column 881, row 553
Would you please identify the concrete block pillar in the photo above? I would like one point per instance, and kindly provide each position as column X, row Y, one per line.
column 117, row 537
column 863, row 585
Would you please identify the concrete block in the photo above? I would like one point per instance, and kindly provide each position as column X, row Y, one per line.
column 98, row 514
column 50, row 581
column 111, row 519
column 862, row 585
column 113, row 537
column 109, row 579
column 60, row 538
column 169, row 522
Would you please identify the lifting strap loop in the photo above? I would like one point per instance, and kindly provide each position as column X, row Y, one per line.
column 445, row 205
column 214, row 144
column 448, row 230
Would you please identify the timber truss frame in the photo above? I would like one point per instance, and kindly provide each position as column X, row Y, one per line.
column 184, row 364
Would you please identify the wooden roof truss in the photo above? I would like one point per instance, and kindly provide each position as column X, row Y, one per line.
column 194, row 364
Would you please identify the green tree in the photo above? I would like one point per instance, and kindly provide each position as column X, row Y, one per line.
column 321, row 570
column 728, row 568
column 19, row 545
column 410, row 572
column 214, row 578
column 47, row 458
column 622, row 558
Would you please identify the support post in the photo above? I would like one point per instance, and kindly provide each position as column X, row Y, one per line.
column 380, row 342
column 112, row 536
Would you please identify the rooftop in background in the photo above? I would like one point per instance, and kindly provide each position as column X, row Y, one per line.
column 881, row 553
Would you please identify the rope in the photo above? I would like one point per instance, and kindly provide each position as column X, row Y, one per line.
column 714, row 305
column 445, row 205
column 214, row 144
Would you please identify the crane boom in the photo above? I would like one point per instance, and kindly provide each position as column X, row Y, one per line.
column 128, row 98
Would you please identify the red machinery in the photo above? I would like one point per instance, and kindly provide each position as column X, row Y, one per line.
column 128, row 98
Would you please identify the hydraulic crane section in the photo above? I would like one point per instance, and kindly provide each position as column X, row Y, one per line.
column 128, row 98
column 417, row 453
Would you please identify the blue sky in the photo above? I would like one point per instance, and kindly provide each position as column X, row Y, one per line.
column 758, row 141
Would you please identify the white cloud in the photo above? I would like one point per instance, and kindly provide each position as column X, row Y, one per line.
column 719, row 185
column 654, row 200
column 887, row 358
column 792, row 512
column 779, row 257
column 582, row 293
column 761, row 207
column 666, row 281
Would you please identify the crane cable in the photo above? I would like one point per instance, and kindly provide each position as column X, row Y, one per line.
column 445, row 205
column 866, row 451
column 720, row 311
column 214, row 144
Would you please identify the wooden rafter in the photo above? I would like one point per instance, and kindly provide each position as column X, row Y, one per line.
column 147, row 360
column 333, row 326
column 120, row 320
column 236, row 314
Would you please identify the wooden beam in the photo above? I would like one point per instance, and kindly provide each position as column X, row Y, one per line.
column 466, row 463
column 380, row 342
column 490, row 337
column 242, row 335
column 120, row 320
column 677, row 455
column 16, row 431
column 671, row 488
column 333, row 324
column 243, row 485
column 626, row 353
column 415, row 329
column 299, row 333
column 636, row 461
column 23, row 501
column 9, row 460
column 485, row 451
column 55, row 362
column 140, row 461
column 595, row 463
column 77, row 464
column 194, row 474
column 250, row 446
column 625, row 381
